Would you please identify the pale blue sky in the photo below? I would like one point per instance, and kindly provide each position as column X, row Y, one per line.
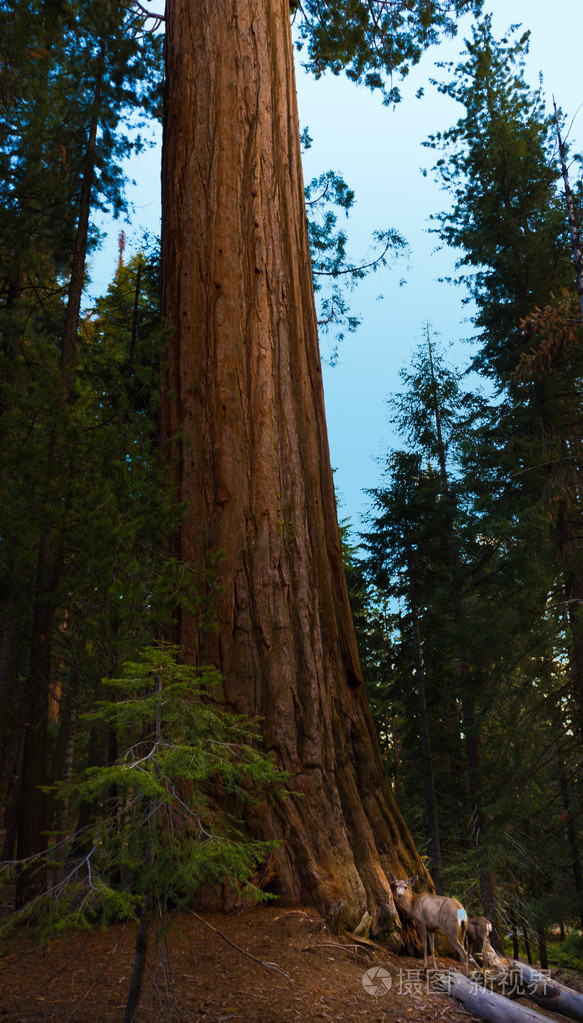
column 379, row 153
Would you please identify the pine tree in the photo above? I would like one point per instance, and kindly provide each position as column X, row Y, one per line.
column 510, row 222
column 399, row 557
column 521, row 465
column 112, row 593
column 160, row 829
column 69, row 72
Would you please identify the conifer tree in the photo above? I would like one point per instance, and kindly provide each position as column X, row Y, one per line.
column 399, row 557
column 510, row 222
column 69, row 73
column 114, row 583
column 160, row 829
column 521, row 465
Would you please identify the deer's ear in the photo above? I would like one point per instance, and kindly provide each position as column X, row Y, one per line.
column 413, row 880
column 391, row 878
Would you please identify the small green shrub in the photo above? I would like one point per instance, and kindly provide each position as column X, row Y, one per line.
column 569, row 953
column 168, row 811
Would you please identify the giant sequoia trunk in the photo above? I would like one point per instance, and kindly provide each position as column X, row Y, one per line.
column 243, row 417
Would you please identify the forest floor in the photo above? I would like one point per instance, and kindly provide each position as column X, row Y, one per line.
column 260, row 964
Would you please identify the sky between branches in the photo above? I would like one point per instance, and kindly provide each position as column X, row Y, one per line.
column 379, row 152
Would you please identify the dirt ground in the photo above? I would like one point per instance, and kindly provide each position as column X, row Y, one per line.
column 286, row 968
column 267, row 965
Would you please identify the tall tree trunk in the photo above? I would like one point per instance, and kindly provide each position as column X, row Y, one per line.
column 526, row 943
column 396, row 753
column 471, row 735
column 62, row 768
column 34, row 806
column 572, row 836
column 569, row 549
column 243, row 419
column 479, row 822
column 428, row 779
column 542, row 943
column 573, row 228
column 572, row 570
column 514, row 932
column 10, row 631
column 32, row 814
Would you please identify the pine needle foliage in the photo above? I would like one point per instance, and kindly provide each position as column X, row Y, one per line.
column 370, row 41
column 169, row 809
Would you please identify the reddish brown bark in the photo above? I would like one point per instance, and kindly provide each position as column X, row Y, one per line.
column 243, row 416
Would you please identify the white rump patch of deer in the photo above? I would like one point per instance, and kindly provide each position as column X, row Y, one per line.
column 433, row 914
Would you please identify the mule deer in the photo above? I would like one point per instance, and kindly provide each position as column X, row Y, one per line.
column 478, row 932
column 433, row 913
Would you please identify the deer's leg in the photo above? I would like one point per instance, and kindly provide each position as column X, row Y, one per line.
column 424, row 937
column 432, row 943
column 462, row 953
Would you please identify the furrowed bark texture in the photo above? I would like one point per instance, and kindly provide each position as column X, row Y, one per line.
column 243, row 416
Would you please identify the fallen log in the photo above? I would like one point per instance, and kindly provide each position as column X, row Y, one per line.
column 486, row 1003
column 489, row 960
column 549, row 993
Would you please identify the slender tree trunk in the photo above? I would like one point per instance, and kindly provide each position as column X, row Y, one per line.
column 33, row 801
column 487, row 883
column 135, row 314
column 542, row 945
column 88, row 809
column 9, row 847
column 396, row 754
column 512, row 916
column 569, row 548
column 77, row 278
column 471, row 737
column 571, row 835
column 243, row 421
column 430, row 802
column 34, row 805
column 11, row 627
column 575, row 239
column 64, row 754
column 526, row 943
column 140, row 959
column 573, row 584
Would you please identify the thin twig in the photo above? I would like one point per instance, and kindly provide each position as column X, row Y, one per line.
column 268, row 966
column 353, row 269
column 358, row 949
column 150, row 14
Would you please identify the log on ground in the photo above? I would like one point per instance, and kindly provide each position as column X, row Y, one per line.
column 549, row 993
column 486, row 1003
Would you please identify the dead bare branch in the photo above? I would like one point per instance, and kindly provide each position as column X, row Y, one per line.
column 268, row 966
